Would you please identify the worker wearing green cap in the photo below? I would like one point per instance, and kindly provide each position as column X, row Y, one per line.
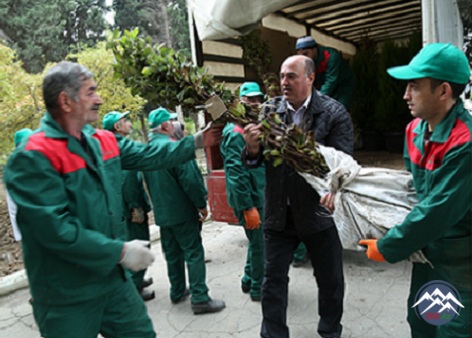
column 135, row 201
column 179, row 199
column 438, row 152
column 245, row 193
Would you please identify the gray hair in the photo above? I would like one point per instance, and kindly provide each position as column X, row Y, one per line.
column 309, row 66
column 64, row 77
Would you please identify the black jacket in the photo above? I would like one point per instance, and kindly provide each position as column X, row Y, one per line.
column 333, row 127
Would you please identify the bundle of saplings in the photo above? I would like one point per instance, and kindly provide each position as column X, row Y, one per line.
column 165, row 77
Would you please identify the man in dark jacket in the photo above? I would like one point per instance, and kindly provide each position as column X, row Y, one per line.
column 292, row 210
column 333, row 74
column 135, row 202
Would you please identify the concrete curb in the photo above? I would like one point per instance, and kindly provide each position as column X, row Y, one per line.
column 15, row 281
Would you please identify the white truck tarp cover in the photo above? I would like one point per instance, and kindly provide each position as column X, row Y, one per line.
column 221, row 19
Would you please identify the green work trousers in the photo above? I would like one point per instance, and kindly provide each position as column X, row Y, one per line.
column 454, row 267
column 119, row 313
column 254, row 268
column 182, row 244
column 138, row 231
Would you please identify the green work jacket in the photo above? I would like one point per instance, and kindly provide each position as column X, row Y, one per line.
column 70, row 207
column 440, row 224
column 244, row 186
column 176, row 193
column 334, row 76
column 134, row 195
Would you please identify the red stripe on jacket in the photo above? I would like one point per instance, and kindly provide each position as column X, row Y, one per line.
column 238, row 129
column 55, row 150
column 460, row 134
column 108, row 144
column 62, row 159
column 323, row 65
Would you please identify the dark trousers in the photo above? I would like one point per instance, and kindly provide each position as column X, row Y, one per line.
column 325, row 252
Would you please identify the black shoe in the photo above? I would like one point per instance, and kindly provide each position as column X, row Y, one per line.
column 181, row 299
column 208, row 307
column 245, row 288
column 147, row 295
column 146, row 282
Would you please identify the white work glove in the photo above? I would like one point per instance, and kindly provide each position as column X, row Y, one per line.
column 136, row 255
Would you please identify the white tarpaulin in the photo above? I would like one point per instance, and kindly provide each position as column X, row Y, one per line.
column 368, row 202
column 221, row 19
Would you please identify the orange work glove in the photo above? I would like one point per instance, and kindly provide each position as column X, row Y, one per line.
column 373, row 252
column 253, row 220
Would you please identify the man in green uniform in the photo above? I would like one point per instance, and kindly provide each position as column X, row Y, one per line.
column 135, row 202
column 333, row 76
column 245, row 192
column 63, row 181
column 438, row 152
column 179, row 197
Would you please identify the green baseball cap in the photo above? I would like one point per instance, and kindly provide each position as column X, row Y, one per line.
column 111, row 118
column 20, row 135
column 440, row 61
column 159, row 116
column 250, row 89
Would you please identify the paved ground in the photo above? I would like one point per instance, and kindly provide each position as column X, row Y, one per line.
column 375, row 302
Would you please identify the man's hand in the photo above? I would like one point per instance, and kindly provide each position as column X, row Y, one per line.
column 203, row 214
column 251, row 136
column 137, row 216
column 327, row 200
column 373, row 252
column 136, row 255
column 252, row 218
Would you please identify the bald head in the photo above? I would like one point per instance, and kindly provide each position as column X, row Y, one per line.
column 302, row 61
column 296, row 79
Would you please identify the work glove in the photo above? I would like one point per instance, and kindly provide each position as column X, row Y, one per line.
column 136, row 255
column 372, row 252
column 252, row 218
column 202, row 213
column 137, row 216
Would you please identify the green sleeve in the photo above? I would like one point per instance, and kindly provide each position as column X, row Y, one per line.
column 332, row 74
column 156, row 155
column 191, row 182
column 238, row 184
column 445, row 205
column 44, row 217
